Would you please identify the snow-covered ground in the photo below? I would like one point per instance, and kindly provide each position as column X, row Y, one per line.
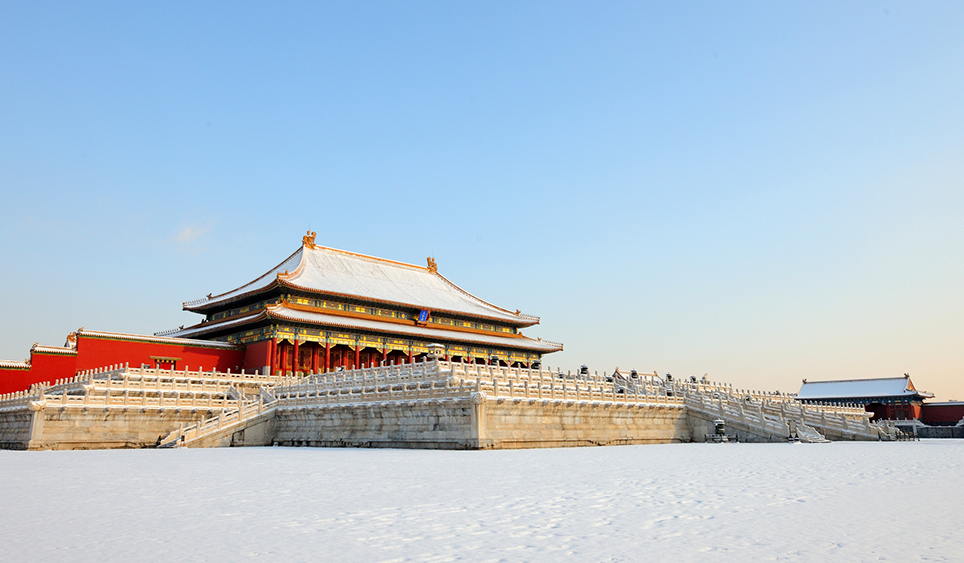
column 691, row 502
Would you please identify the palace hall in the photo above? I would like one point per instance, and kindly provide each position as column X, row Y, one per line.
column 323, row 309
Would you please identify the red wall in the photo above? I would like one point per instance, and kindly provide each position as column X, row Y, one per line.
column 97, row 352
column 256, row 354
column 43, row 367
column 15, row 380
column 49, row 367
column 942, row 414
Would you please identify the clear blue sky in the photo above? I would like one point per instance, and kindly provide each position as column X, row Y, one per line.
column 758, row 191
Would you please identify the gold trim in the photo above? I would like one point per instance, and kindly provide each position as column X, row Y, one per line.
column 448, row 312
column 406, row 322
column 520, row 346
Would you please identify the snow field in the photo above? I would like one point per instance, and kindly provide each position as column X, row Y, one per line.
column 688, row 502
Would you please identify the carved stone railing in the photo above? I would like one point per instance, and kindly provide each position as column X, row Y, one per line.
column 373, row 389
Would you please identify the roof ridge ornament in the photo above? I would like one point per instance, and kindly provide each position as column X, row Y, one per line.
column 432, row 266
column 309, row 239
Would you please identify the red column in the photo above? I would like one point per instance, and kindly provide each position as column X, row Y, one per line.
column 357, row 358
column 283, row 359
column 409, row 355
column 314, row 359
column 295, row 365
column 384, row 354
column 327, row 357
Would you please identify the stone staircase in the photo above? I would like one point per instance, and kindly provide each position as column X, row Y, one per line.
column 246, row 425
column 777, row 416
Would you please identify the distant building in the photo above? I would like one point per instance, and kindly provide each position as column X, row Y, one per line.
column 890, row 398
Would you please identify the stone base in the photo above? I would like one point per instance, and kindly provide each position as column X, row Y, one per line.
column 470, row 425
column 55, row 428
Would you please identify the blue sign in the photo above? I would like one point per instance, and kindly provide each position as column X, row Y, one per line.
column 423, row 316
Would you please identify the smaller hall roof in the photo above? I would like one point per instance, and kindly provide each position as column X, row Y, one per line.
column 318, row 269
column 860, row 388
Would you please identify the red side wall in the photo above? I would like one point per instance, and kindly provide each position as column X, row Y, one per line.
column 43, row 367
column 95, row 353
column 52, row 366
column 942, row 414
column 99, row 352
column 256, row 354
column 15, row 380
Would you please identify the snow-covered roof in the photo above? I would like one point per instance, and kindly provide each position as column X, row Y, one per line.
column 855, row 388
column 280, row 311
column 206, row 327
column 319, row 269
column 12, row 364
column 63, row 351
column 262, row 283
